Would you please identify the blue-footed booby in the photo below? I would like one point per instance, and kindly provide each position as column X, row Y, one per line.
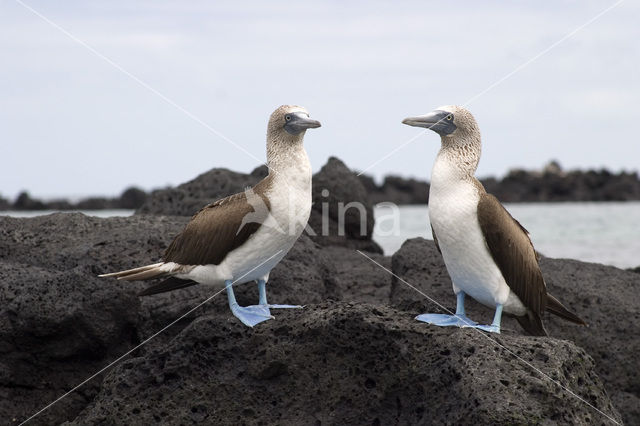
column 242, row 237
column 488, row 254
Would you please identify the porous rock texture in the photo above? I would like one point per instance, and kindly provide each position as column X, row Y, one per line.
column 60, row 323
column 354, row 354
column 341, row 363
column 604, row 296
column 342, row 212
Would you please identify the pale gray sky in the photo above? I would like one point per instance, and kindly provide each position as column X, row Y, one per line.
column 72, row 124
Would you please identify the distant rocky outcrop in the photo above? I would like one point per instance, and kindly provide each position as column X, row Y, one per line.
column 553, row 184
column 353, row 355
column 397, row 189
column 131, row 198
column 189, row 197
column 342, row 212
column 550, row 184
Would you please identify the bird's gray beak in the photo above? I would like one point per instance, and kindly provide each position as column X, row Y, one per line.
column 300, row 122
column 439, row 121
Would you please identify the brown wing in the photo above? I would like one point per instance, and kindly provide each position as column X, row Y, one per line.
column 219, row 228
column 513, row 252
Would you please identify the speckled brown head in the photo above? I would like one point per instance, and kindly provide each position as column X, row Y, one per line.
column 291, row 120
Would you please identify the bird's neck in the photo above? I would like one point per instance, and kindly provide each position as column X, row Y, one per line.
column 461, row 154
column 288, row 161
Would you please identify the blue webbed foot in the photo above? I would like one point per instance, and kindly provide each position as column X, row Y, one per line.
column 444, row 320
column 493, row 328
column 251, row 315
column 495, row 325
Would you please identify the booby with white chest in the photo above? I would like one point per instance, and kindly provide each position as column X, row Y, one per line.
column 242, row 237
column 488, row 254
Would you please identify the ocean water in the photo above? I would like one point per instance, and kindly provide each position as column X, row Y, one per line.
column 96, row 213
column 607, row 233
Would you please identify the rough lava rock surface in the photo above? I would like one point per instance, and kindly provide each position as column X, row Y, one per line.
column 604, row 296
column 342, row 207
column 349, row 352
column 354, row 354
column 338, row 363
column 60, row 323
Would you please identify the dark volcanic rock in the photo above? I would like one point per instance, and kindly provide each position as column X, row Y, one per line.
column 25, row 202
column 340, row 184
column 604, row 296
column 348, row 364
column 60, row 323
column 342, row 213
column 188, row 198
column 549, row 185
column 397, row 189
column 553, row 184
column 95, row 203
column 361, row 280
column 607, row 298
column 332, row 362
column 132, row 198
column 306, row 275
column 4, row 203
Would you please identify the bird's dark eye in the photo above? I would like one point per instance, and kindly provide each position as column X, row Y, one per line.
column 287, row 117
column 449, row 117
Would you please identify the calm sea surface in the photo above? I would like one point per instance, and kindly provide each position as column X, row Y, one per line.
column 606, row 233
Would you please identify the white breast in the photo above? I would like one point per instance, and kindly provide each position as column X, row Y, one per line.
column 453, row 204
column 290, row 206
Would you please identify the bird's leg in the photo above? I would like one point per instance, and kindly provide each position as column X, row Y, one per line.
column 262, row 290
column 250, row 315
column 460, row 319
column 495, row 325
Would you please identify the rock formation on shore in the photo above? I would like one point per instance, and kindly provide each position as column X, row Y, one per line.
column 353, row 355
column 550, row 184
column 131, row 198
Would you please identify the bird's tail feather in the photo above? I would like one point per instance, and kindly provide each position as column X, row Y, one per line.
column 171, row 283
column 532, row 324
column 555, row 307
column 142, row 273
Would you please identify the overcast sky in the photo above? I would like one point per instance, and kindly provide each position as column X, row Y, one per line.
column 72, row 124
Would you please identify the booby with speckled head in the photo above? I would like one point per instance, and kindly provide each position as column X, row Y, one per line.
column 242, row 237
column 488, row 254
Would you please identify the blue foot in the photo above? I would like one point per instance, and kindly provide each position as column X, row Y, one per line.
column 251, row 315
column 493, row 328
column 263, row 298
column 444, row 320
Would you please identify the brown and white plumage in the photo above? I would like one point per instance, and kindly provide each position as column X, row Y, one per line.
column 240, row 238
column 213, row 232
column 488, row 254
